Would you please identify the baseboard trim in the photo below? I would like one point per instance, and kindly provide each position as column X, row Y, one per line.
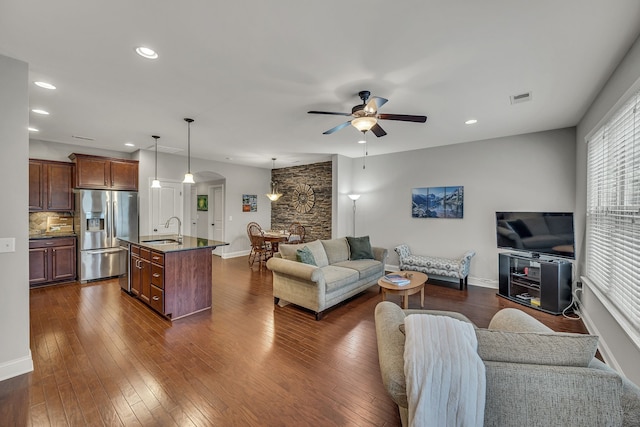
column 16, row 367
column 235, row 254
column 474, row 281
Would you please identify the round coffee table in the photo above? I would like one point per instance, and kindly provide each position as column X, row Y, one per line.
column 418, row 281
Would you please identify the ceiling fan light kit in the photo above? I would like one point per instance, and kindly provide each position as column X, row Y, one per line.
column 364, row 123
column 366, row 116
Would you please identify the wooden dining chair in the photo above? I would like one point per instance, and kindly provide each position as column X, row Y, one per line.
column 296, row 233
column 260, row 250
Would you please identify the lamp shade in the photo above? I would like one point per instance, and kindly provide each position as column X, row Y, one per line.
column 364, row 124
column 155, row 184
column 188, row 179
column 354, row 197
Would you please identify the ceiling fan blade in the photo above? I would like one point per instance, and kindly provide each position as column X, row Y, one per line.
column 329, row 112
column 403, row 117
column 375, row 103
column 337, row 128
column 377, row 130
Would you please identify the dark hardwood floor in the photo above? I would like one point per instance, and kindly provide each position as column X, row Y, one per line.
column 103, row 358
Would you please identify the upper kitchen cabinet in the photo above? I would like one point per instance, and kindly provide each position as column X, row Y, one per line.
column 50, row 186
column 105, row 173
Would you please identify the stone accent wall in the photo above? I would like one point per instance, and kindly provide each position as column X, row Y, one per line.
column 317, row 222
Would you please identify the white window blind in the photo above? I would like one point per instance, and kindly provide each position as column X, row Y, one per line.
column 613, row 211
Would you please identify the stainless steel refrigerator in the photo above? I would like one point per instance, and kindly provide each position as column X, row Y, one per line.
column 102, row 217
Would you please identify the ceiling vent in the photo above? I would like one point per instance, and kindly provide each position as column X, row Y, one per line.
column 84, row 138
column 523, row 97
column 164, row 149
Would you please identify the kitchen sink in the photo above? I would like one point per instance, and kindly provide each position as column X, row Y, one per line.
column 161, row 241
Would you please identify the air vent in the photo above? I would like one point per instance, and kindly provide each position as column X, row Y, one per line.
column 84, row 138
column 523, row 97
column 164, row 149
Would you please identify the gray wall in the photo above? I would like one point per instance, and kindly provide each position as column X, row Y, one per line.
column 532, row 172
column 616, row 346
column 15, row 356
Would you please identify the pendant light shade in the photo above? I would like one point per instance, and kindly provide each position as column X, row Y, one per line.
column 155, row 183
column 188, row 177
column 274, row 195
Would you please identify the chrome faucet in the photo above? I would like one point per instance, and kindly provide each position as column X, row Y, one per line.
column 166, row 225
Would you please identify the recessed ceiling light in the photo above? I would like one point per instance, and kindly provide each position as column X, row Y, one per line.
column 33, row 129
column 146, row 52
column 43, row 112
column 471, row 122
column 45, row 85
column 129, row 144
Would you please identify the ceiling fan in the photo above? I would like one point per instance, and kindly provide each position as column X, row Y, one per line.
column 366, row 116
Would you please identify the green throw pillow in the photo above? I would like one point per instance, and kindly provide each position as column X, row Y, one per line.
column 304, row 255
column 360, row 248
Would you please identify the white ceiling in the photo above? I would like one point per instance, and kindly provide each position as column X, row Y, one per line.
column 248, row 71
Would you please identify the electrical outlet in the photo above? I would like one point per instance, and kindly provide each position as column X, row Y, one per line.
column 8, row 244
column 230, row 218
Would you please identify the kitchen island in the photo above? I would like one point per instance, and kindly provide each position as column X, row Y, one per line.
column 173, row 278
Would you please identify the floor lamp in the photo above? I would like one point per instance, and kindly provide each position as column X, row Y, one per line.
column 354, row 197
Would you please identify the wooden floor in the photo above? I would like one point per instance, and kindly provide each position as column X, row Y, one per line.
column 102, row 358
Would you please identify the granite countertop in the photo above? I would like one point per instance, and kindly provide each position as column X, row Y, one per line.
column 50, row 235
column 188, row 243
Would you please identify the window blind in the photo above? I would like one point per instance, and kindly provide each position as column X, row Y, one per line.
column 613, row 211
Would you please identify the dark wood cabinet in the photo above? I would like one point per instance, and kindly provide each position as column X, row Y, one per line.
column 52, row 260
column 50, row 186
column 175, row 284
column 95, row 172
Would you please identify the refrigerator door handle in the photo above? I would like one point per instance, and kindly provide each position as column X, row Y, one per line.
column 114, row 220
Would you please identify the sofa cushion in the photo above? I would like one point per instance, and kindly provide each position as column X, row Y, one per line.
column 304, row 255
column 290, row 252
column 338, row 277
column 360, row 248
column 560, row 349
column 364, row 267
column 336, row 249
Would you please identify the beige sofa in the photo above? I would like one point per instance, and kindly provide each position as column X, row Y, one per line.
column 334, row 278
column 535, row 377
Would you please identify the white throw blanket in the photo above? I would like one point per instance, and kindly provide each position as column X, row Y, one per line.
column 445, row 377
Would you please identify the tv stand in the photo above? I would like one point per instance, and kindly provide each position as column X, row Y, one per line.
column 534, row 282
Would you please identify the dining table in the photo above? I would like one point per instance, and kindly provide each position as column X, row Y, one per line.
column 275, row 238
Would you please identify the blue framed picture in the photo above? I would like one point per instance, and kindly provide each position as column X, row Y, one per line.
column 437, row 202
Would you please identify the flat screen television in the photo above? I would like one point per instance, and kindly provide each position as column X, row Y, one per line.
column 540, row 233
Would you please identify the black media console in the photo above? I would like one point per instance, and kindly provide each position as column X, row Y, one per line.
column 543, row 284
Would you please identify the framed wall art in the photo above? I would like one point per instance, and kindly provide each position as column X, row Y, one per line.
column 203, row 203
column 249, row 203
column 437, row 202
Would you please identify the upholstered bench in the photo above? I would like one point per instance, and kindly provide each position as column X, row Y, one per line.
column 437, row 266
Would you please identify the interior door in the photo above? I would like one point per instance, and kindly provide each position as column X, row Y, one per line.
column 165, row 203
column 216, row 215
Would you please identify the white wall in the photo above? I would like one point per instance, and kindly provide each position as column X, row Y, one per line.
column 58, row 151
column 342, row 219
column 15, row 356
column 532, row 172
column 615, row 345
column 239, row 180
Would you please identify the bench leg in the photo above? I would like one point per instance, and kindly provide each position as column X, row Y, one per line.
column 461, row 284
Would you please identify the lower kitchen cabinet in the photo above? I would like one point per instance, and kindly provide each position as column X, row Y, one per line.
column 173, row 283
column 52, row 260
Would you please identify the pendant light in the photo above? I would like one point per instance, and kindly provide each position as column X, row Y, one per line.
column 188, row 177
column 155, row 183
column 274, row 195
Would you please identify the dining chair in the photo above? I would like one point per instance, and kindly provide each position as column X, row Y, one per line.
column 296, row 233
column 260, row 250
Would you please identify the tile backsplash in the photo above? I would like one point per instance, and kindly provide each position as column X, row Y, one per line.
column 38, row 220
